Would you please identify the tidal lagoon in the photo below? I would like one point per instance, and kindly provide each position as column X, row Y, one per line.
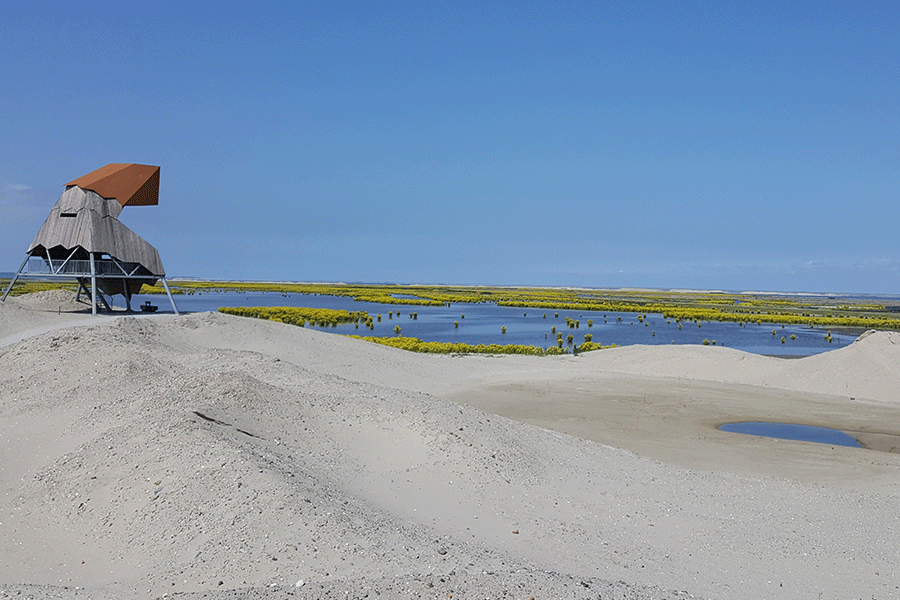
column 483, row 323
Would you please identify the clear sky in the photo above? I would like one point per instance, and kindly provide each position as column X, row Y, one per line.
column 714, row 145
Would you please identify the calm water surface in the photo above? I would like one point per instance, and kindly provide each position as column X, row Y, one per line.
column 788, row 431
column 482, row 324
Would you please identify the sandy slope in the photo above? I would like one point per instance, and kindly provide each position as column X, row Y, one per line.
column 220, row 457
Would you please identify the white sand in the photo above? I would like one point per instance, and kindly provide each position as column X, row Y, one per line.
column 371, row 472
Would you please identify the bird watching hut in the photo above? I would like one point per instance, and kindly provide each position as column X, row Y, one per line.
column 83, row 239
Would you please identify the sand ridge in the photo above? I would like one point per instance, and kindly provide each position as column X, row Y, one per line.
column 209, row 455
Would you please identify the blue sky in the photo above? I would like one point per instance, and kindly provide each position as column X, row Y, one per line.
column 718, row 145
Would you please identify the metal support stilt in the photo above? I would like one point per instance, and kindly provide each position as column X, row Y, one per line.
column 172, row 300
column 93, row 285
column 105, row 303
column 82, row 288
column 15, row 277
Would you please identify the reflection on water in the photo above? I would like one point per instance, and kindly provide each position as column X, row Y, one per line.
column 788, row 431
column 483, row 324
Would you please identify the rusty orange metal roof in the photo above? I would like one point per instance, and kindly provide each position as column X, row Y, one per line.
column 130, row 184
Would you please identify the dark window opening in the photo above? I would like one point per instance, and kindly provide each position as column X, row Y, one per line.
column 67, row 214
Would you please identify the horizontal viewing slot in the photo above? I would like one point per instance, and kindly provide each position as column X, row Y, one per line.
column 68, row 215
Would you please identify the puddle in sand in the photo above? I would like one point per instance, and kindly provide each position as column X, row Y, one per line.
column 788, row 431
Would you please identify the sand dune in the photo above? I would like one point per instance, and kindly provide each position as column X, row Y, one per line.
column 219, row 457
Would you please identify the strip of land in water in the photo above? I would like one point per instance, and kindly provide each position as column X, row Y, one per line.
column 844, row 313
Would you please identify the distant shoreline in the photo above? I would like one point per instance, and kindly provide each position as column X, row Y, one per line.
column 626, row 289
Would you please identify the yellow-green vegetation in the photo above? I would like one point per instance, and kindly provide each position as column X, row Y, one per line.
column 24, row 286
column 159, row 289
column 298, row 315
column 417, row 345
column 381, row 294
column 678, row 306
column 591, row 346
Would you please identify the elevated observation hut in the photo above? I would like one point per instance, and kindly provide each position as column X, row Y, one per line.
column 83, row 239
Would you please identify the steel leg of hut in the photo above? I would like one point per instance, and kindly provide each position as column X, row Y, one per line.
column 127, row 294
column 82, row 287
column 16, row 276
column 105, row 303
column 172, row 300
column 93, row 286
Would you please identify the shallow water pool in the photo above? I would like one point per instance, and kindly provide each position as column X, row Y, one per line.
column 482, row 323
column 789, row 431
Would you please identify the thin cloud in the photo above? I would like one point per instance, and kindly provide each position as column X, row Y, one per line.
column 18, row 187
column 878, row 264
